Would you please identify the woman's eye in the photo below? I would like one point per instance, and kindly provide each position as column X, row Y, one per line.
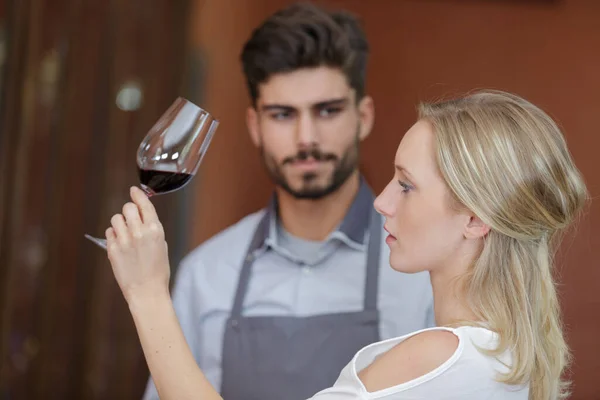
column 405, row 187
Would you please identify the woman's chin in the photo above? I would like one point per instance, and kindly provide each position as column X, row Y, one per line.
column 401, row 265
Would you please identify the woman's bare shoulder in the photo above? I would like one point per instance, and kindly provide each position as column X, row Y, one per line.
column 410, row 359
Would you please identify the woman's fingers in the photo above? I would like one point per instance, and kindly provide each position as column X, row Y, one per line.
column 110, row 235
column 111, row 241
column 138, row 222
column 120, row 229
column 146, row 208
column 133, row 220
column 137, row 249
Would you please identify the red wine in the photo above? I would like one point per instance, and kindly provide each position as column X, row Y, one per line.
column 162, row 181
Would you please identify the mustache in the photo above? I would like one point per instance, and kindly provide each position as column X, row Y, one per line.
column 314, row 153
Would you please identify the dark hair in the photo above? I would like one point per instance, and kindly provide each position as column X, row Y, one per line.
column 306, row 36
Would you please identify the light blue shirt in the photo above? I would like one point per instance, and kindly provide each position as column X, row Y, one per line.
column 290, row 277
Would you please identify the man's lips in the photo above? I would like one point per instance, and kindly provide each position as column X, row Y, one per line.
column 307, row 164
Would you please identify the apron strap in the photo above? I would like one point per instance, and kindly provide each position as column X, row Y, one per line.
column 257, row 241
column 373, row 255
column 372, row 259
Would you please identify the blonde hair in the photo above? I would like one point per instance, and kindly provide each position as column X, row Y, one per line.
column 506, row 161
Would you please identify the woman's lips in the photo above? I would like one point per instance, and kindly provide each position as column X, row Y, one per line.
column 390, row 238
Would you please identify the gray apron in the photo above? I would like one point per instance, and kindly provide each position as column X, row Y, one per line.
column 292, row 358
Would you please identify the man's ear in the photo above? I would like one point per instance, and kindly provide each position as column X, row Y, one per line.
column 366, row 113
column 252, row 124
column 476, row 228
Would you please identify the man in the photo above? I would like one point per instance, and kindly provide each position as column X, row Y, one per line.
column 281, row 301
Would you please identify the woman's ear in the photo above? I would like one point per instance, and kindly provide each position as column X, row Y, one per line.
column 476, row 228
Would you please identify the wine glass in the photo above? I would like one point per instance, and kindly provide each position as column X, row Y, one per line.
column 173, row 149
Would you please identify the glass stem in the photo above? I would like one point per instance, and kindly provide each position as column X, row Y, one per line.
column 149, row 192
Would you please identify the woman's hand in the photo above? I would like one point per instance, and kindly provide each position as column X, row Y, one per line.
column 137, row 249
column 138, row 254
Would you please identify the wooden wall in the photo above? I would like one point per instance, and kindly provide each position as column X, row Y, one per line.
column 67, row 160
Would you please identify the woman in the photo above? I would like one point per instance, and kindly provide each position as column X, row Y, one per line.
column 482, row 187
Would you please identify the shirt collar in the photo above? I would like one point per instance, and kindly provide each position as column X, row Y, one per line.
column 352, row 230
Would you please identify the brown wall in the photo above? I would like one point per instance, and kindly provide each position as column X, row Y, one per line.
column 548, row 52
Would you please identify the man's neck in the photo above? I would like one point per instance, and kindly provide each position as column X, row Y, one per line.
column 316, row 219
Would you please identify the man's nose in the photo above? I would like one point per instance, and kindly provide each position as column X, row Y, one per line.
column 306, row 132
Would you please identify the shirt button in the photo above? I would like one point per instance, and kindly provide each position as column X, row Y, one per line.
column 306, row 270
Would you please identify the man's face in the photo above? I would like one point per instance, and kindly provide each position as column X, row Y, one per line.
column 308, row 127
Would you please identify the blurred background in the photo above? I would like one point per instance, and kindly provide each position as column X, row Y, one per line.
column 82, row 81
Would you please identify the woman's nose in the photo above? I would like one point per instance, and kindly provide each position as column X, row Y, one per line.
column 384, row 203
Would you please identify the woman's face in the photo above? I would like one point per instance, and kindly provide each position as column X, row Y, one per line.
column 425, row 230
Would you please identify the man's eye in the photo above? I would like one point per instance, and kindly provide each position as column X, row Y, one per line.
column 329, row 111
column 281, row 115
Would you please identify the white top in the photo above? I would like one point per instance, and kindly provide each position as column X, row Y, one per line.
column 467, row 375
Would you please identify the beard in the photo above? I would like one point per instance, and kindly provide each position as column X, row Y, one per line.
column 310, row 188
